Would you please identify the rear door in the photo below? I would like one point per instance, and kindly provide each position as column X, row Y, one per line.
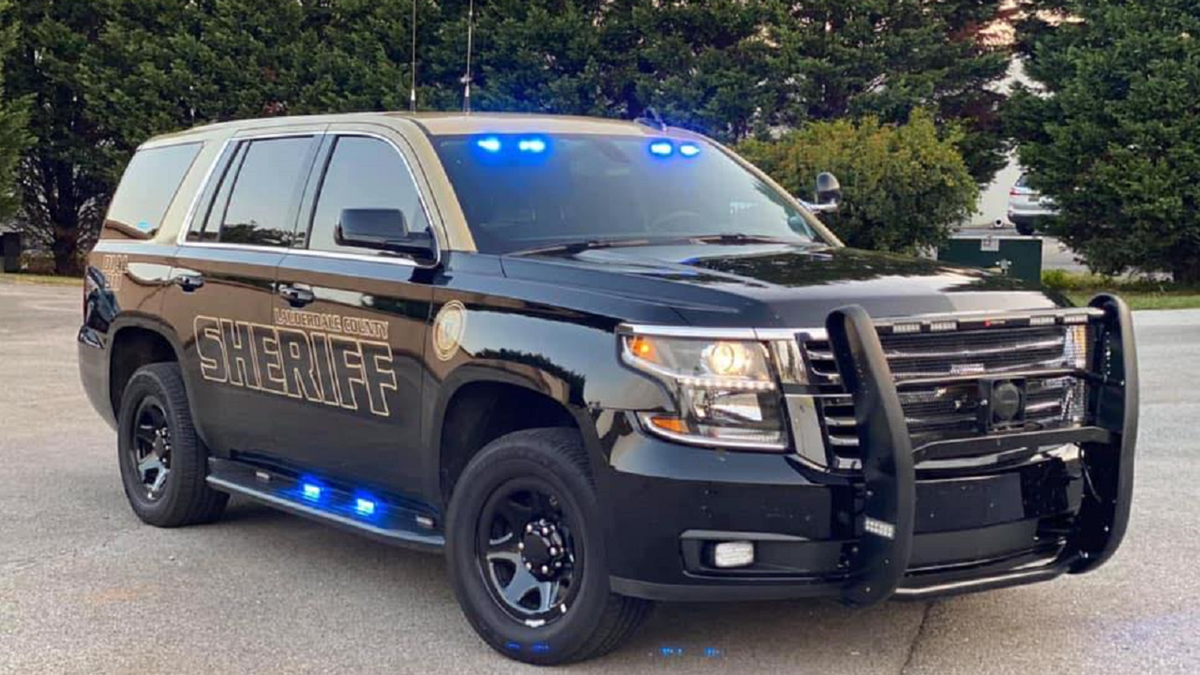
column 219, row 303
column 352, row 321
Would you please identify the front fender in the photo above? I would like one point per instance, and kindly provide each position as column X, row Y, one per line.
column 567, row 357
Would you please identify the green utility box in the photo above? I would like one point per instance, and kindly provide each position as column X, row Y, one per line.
column 1013, row 255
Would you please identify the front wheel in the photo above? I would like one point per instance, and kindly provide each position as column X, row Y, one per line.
column 526, row 553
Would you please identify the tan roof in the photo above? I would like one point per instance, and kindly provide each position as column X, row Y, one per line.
column 449, row 124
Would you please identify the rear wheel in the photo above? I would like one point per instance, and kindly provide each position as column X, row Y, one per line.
column 162, row 461
column 526, row 553
column 1025, row 227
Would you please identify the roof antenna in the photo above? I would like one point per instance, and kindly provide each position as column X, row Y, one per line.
column 412, row 94
column 466, row 80
column 651, row 118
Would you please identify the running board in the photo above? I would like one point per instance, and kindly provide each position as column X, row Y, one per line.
column 378, row 518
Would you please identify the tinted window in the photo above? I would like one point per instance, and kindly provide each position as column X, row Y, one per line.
column 363, row 173
column 260, row 203
column 149, row 185
column 528, row 192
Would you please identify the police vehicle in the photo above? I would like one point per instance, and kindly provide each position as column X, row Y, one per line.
column 595, row 363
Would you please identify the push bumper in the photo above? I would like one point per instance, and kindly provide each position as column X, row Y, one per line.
column 897, row 531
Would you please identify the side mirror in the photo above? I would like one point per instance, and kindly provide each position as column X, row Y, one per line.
column 380, row 229
column 828, row 192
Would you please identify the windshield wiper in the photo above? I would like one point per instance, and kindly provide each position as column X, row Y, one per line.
column 739, row 238
column 582, row 245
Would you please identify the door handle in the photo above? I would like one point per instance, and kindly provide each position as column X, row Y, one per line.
column 296, row 296
column 189, row 282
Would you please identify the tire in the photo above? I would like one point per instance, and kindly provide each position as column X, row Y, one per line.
column 1025, row 228
column 175, row 493
column 591, row 620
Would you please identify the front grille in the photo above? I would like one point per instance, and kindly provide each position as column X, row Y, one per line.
column 938, row 378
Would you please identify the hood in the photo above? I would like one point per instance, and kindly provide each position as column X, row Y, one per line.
column 778, row 285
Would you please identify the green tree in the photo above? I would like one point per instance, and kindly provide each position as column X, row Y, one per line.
column 62, row 177
column 1114, row 137
column 733, row 68
column 14, row 121
column 903, row 186
column 839, row 58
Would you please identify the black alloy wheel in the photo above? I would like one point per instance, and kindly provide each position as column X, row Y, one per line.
column 527, row 553
column 163, row 463
column 525, row 550
column 151, row 448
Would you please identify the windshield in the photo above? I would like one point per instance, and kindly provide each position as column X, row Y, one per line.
column 522, row 192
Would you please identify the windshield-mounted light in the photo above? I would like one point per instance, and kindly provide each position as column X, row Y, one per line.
column 489, row 144
column 662, row 148
column 534, row 145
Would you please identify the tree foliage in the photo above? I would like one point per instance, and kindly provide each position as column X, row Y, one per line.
column 903, row 186
column 14, row 121
column 104, row 75
column 1115, row 137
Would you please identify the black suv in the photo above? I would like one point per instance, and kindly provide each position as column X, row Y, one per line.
column 599, row 364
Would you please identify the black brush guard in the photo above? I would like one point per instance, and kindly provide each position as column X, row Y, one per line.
column 879, row 563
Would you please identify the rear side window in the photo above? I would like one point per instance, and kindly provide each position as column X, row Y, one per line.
column 148, row 188
column 259, row 210
column 363, row 173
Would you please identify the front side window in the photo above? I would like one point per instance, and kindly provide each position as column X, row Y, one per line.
column 363, row 173
column 522, row 192
column 148, row 187
column 260, row 202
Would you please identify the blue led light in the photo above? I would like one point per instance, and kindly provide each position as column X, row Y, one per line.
column 689, row 149
column 534, row 145
column 662, row 148
column 512, row 646
column 541, row 648
column 364, row 507
column 489, row 143
column 311, row 492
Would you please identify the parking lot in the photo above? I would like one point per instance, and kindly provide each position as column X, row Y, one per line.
column 86, row 588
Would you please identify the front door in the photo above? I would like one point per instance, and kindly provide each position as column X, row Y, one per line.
column 351, row 323
column 219, row 302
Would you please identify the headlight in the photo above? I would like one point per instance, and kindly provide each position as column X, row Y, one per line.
column 725, row 390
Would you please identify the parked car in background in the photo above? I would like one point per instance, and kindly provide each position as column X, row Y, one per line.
column 1027, row 208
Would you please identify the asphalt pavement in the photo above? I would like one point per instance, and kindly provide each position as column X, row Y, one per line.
column 86, row 588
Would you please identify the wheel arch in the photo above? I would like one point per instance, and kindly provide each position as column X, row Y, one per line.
column 479, row 404
column 137, row 341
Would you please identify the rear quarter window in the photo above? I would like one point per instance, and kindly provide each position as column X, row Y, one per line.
column 147, row 189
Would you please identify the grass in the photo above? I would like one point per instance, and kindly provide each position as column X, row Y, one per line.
column 25, row 278
column 1139, row 293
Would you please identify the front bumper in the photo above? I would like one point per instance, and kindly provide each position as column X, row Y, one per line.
column 932, row 532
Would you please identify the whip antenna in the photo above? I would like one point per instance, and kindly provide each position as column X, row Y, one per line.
column 412, row 93
column 466, row 80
